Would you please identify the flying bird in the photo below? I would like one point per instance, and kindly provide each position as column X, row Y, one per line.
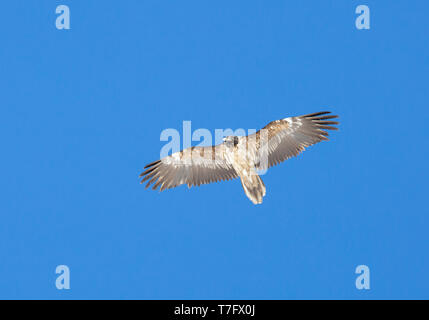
column 241, row 156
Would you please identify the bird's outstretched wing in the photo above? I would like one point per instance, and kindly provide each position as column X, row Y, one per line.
column 192, row 166
column 283, row 139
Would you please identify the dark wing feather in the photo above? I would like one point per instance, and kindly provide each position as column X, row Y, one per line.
column 288, row 137
column 193, row 166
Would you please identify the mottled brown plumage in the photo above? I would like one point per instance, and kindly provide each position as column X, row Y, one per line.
column 241, row 156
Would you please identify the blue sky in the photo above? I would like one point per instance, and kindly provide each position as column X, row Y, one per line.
column 82, row 111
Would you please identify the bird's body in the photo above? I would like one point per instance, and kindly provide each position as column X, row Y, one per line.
column 241, row 156
column 245, row 168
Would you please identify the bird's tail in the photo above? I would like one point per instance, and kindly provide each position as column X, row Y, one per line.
column 254, row 187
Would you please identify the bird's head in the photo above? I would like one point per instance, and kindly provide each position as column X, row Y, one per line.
column 231, row 141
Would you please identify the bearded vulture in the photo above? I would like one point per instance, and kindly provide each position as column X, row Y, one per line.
column 242, row 156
